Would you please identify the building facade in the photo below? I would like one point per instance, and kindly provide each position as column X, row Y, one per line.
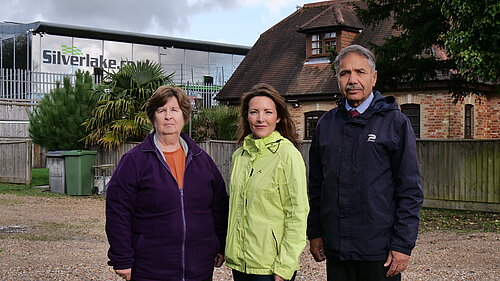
column 293, row 57
column 42, row 47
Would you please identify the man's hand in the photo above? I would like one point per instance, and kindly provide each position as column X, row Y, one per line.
column 124, row 273
column 278, row 278
column 317, row 249
column 219, row 260
column 398, row 262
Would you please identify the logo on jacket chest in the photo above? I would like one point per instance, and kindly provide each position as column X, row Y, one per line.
column 371, row 138
column 253, row 172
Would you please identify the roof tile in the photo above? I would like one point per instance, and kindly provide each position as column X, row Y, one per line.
column 279, row 55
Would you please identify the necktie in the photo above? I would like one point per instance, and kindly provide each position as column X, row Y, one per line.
column 353, row 113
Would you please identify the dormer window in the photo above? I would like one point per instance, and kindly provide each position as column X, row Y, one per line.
column 322, row 42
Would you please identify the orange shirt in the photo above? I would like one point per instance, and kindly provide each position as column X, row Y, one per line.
column 176, row 161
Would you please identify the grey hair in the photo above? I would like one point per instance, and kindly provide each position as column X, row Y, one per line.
column 357, row 49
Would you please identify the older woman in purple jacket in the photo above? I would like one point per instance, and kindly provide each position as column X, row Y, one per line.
column 166, row 204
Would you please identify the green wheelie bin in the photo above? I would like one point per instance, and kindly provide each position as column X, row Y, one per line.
column 79, row 171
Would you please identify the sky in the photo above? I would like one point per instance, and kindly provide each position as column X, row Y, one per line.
column 237, row 22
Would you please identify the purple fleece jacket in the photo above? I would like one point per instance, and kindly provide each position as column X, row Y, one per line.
column 160, row 231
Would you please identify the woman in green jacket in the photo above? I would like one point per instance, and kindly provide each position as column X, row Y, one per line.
column 268, row 196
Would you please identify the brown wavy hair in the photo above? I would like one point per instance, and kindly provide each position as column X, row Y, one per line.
column 160, row 97
column 286, row 126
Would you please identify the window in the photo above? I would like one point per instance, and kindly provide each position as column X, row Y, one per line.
column 21, row 48
column 321, row 43
column 312, row 119
column 412, row 111
column 469, row 117
column 7, row 59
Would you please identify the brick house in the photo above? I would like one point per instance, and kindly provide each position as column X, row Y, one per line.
column 291, row 56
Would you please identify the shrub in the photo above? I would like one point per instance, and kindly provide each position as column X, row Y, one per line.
column 56, row 123
column 215, row 123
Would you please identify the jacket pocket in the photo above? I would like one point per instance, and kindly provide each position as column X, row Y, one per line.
column 260, row 248
column 276, row 244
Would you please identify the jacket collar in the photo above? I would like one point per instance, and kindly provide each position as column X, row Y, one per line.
column 254, row 146
column 379, row 104
column 183, row 143
column 189, row 146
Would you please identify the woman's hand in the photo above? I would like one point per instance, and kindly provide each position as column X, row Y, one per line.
column 317, row 249
column 278, row 278
column 124, row 273
column 219, row 260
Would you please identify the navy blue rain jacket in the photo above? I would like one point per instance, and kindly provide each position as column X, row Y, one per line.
column 364, row 182
column 160, row 231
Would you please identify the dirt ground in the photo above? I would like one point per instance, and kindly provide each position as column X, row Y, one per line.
column 62, row 238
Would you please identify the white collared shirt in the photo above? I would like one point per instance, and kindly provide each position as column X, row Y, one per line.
column 363, row 106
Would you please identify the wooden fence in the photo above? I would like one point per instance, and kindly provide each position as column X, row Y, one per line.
column 109, row 158
column 462, row 174
column 14, row 119
column 14, row 124
column 221, row 152
column 456, row 174
column 15, row 161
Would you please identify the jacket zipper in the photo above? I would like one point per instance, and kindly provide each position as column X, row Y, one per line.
column 181, row 191
column 183, row 236
column 245, row 212
column 184, row 230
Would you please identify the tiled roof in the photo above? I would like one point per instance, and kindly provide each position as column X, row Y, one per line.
column 279, row 55
column 314, row 78
column 333, row 16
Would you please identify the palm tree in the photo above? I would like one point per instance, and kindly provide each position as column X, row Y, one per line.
column 119, row 104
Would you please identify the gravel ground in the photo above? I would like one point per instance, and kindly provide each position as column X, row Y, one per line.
column 62, row 238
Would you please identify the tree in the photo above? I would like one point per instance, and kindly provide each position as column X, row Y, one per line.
column 474, row 37
column 56, row 123
column 466, row 30
column 119, row 104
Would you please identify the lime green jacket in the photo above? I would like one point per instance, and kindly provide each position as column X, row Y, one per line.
column 268, row 207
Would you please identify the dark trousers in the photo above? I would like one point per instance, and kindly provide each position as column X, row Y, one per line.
column 338, row 270
column 240, row 276
column 208, row 279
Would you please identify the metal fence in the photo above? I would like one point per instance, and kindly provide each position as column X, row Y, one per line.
column 203, row 96
column 20, row 84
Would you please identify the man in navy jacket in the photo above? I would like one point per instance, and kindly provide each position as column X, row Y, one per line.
column 364, row 182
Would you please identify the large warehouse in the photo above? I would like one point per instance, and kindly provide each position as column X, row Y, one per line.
column 49, row 48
